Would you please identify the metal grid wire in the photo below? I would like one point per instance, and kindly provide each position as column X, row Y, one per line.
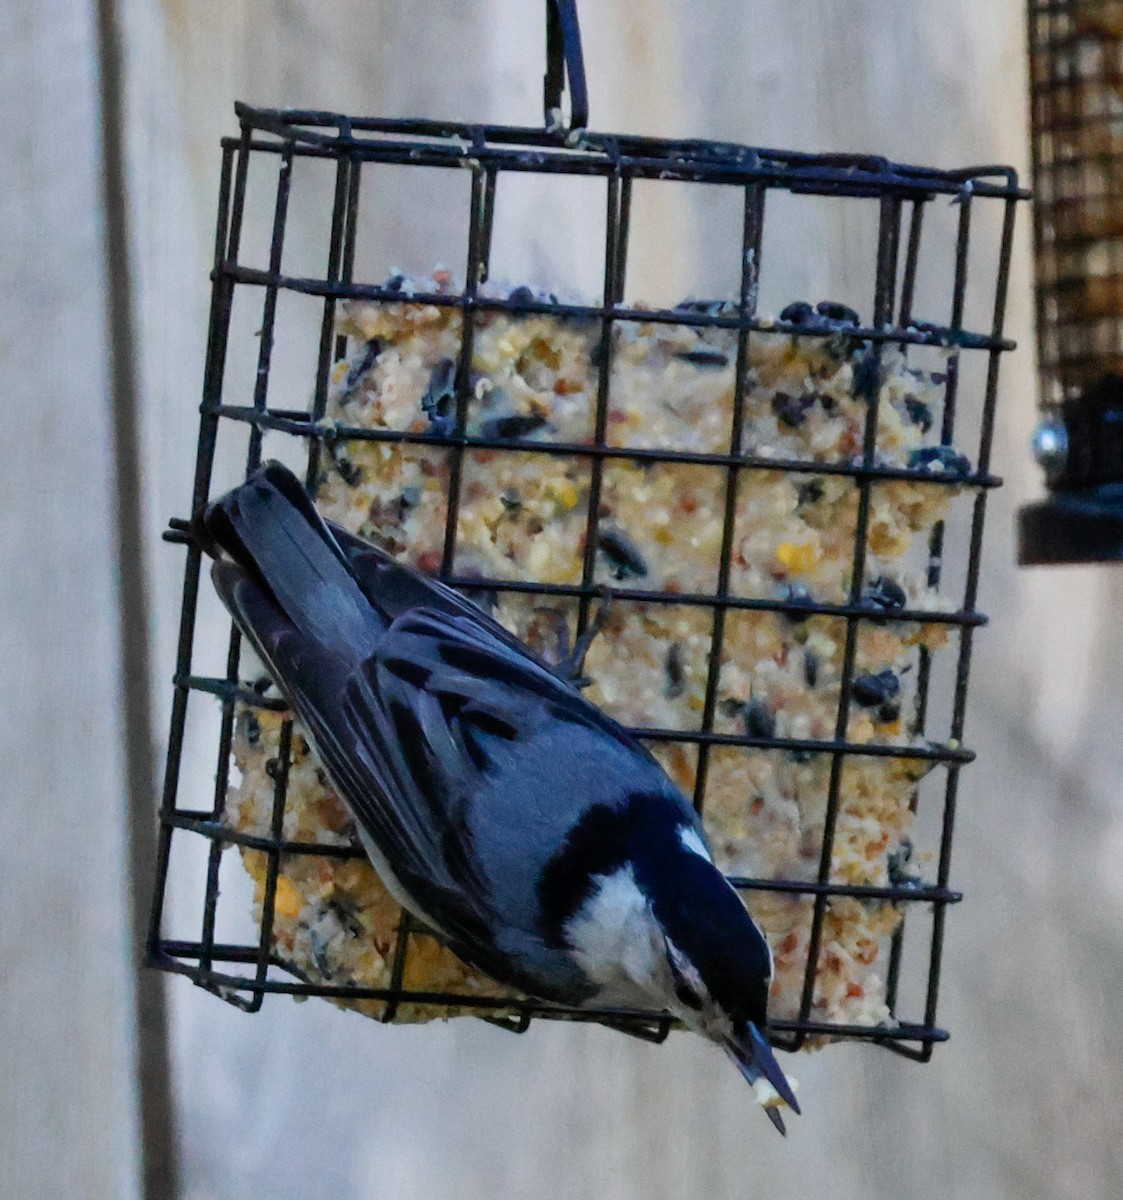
column 1076, row 62
column 1076, row 65
column 244, row 973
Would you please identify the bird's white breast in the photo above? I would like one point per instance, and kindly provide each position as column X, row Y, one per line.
column 617, row 942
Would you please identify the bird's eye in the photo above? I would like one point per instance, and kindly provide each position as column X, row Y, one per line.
column 689, row 998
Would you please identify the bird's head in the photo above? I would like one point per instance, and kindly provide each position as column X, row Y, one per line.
column 653, row 923
column 718, row 964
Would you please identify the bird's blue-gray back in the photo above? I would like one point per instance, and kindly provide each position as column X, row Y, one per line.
column 494, row 765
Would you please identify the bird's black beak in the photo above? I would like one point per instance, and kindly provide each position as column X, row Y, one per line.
column 754, row 1058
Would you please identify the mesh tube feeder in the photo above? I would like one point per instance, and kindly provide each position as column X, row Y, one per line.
column 1076, row 84
column 914, row 730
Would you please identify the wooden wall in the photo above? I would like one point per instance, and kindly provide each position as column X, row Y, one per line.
column 305, row 1101
column 68, row 1106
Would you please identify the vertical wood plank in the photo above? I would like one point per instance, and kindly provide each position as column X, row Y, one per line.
column 158, row 1167
column 67, row 1093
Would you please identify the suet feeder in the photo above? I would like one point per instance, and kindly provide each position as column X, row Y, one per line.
column 928, row 225
column 1076, row 82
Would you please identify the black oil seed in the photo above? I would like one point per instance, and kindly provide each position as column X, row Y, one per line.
column 840, row 314
column 522, row 295
column 703, row 358
column 509, row 428
column 713, row 308
column 625, row 560
column 798, row 313
column 797, row 596
column 919, row 413
column 251, row 728
column 950, row 461
column 899, row 864
column 349, row 472
column 359, row 368
column 810, row 492
column 758, row 719
column 871, row 691
column 884, row 593
column 941, row 335
column 675, row 671
column 320, row 954
column 810, row 667
column 792, row 410
column 348, row 918
column 408, row 501
column 511, row 500
column 867, row 375
column 439, row 401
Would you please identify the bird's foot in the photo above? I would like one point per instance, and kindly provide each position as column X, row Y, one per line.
column 571, row 668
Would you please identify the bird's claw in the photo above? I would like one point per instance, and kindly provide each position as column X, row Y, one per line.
column 571, row 668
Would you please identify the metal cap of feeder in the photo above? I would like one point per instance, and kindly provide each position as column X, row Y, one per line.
column 1076, row 55
column 1080, row 448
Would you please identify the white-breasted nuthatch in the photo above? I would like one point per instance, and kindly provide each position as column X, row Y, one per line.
column 505, row 811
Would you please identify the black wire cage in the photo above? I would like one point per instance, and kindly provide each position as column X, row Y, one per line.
column 926, row 222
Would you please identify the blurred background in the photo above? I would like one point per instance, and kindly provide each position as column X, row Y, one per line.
column 117, row 1086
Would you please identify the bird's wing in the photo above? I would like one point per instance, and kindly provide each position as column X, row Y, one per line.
column 485, row 762
column 396, row 589
column 465, row 762
column 376, row 750
column 433, row 709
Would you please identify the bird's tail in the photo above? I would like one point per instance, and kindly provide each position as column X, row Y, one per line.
column 283, row 567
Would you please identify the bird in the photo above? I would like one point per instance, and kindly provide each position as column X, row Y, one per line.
column 501, row 808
